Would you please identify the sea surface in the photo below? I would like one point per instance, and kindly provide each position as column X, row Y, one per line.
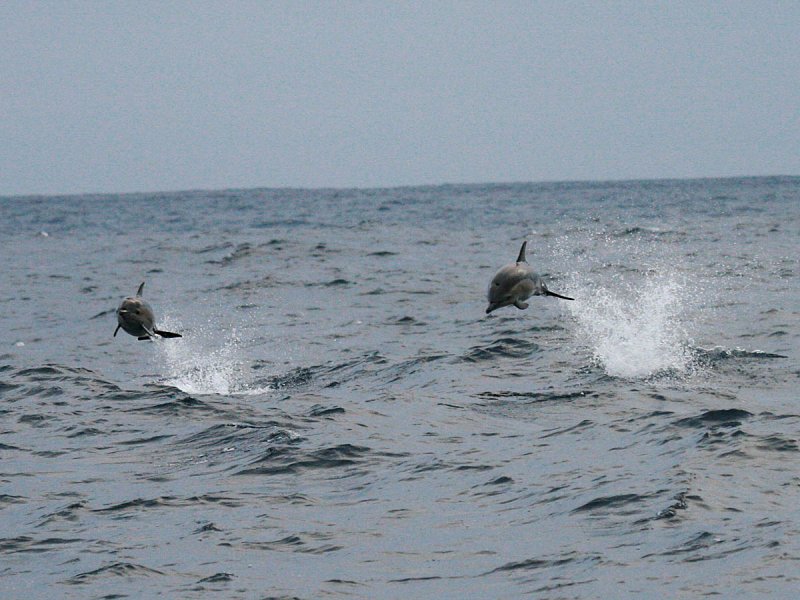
column 342, row 420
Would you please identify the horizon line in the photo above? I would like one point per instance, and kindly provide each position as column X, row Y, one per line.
column 39, row 196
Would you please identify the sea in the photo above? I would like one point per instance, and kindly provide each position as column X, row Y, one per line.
column 341, row 419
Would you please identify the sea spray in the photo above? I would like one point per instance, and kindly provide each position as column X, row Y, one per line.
column 208, row 360
column 634, row 331
column 634, row 299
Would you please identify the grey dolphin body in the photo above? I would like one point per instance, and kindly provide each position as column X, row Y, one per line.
column 515, row 283
column 135, row 316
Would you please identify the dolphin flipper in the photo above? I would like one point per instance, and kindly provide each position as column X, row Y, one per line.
column 521, row 305
column 116, row 330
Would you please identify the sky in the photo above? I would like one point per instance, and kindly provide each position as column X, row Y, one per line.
column 107, row 97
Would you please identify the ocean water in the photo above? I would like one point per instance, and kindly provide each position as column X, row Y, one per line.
column 342, row 420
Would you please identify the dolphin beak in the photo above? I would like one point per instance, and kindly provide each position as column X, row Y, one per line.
column 490, row 308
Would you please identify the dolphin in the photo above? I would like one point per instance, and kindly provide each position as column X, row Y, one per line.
column 515, row 283
column 135, row 316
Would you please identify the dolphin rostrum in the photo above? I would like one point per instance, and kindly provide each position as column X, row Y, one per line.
column 135, row 316
column 515, row 283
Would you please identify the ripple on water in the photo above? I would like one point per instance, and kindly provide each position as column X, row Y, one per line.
column 286, row 460
column 368, row 432
column 508, row 347
column 125, row 570
column 725, row 417
column 604, row 504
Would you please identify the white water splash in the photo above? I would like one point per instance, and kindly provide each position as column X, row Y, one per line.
column 207, row 361
column 635, row 331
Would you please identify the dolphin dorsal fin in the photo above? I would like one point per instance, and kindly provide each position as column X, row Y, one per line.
column 141, row 288
column 521, row 257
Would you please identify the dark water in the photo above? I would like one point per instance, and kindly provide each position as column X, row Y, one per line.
column 342, row 420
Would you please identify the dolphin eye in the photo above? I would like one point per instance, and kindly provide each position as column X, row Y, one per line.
column 497, row 283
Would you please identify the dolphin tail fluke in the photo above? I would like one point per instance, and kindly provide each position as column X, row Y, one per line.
column 116, row 330
column 521, row 257
column 142, row 338
column 549, row 293
column 167, row 334
column 140, row 290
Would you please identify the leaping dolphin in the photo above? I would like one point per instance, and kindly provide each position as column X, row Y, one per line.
column 135, row 316
column 515, row 283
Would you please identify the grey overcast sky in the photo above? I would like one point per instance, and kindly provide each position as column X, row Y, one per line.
column 146, row 96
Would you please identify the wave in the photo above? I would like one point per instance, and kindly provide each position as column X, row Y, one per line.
column 28, row 544
column 717, row 354
column 177, row 403
column 535, row 397
column 678, row 504
column 640, row 230
column 504, row 347
column 567, row 560
column 117, row 569
column 289, row 460
column 603, row 503
column 218, row 578
column 241, row 251
column 720, row 417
